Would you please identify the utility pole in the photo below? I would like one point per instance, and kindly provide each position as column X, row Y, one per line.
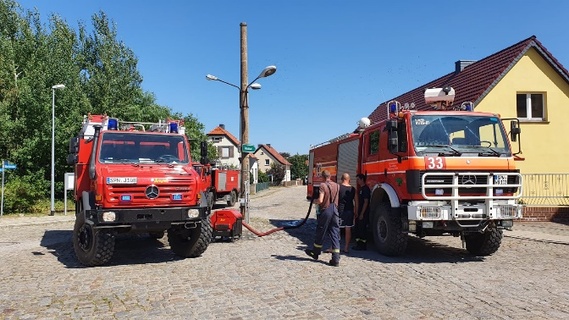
column 244, row 126
column 244, row 118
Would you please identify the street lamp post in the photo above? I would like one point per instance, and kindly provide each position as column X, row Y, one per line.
column 53, row 88
column 244, row 115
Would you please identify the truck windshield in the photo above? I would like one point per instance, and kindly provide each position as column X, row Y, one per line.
column 455, row 135
column 121, row 147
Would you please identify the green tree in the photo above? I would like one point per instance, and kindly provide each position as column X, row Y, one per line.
column 277, row 171
column 195, row 131
column 263, row 177
column 299, row 166
column 100, row 76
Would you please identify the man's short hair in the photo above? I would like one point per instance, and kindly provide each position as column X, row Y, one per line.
column 361, row 176
column 345, row 176
column 326, row 174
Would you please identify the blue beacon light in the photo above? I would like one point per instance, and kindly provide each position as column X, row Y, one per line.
column 392, row 107
column 113, row 124
column 173, row 127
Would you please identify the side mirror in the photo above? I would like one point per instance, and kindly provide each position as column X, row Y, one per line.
column 514, row 130
column 392, row 125
column 393, row 142
column 74, row 145
column 72, row 159
column 203, row 153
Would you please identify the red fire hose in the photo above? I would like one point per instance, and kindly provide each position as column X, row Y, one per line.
column 290, row 226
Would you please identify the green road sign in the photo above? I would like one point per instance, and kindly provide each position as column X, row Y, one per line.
column 248, row 148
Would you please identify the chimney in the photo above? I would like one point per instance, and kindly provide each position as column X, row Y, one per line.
column 461, row 64
column 222, row 126
column 268, row 145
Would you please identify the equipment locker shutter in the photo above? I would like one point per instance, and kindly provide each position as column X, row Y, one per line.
column 348, row 160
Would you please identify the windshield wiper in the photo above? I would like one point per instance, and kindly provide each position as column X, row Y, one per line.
column 453, row 152
column 489, row 151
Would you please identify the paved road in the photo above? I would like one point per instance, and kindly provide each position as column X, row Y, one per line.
column 269, row 277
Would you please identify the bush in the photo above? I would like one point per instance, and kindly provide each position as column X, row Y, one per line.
column 263, row 177
column 21, row 194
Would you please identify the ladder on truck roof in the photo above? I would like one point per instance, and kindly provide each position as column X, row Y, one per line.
column 109, row 123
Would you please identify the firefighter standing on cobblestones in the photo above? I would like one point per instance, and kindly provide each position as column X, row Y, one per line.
column 362, row 214
column 328, row 220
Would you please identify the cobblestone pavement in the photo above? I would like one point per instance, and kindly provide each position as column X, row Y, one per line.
column 271, row 278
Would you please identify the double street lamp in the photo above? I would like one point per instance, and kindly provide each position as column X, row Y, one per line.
column 244, row 127
column 53, row 88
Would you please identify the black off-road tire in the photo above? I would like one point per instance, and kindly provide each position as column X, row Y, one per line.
column 190, row 243
column 232, row 198
column 484, row 244
column 387, row 230
column 92, row 247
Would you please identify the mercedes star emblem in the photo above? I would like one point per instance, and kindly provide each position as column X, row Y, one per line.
column 152, row 192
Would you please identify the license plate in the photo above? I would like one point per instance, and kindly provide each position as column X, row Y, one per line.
column 501, row 179
column 121, row 180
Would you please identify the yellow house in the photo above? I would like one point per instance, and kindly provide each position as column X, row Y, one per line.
column 526, row 82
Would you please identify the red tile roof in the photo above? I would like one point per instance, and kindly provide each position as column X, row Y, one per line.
column 219, row 131
column 477, row 79
column 274, row 154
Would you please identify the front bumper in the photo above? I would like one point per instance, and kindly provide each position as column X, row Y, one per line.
column 144, row 216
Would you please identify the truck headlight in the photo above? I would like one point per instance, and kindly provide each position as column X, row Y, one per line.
column 109, row 216
column 429, row 212
column 193, row 213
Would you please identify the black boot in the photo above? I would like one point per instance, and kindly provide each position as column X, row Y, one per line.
column 312, row 253
column 335, row 262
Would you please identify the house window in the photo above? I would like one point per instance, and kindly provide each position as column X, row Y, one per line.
column 215, row 139
column 530, row 106
column 267, row 162
column 225, row 152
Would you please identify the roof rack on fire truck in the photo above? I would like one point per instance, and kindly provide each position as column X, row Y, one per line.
column 109, row 123
column 438, row 98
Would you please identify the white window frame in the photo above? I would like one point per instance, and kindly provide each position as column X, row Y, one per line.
column 267, row 162
column 529, row 116
column 228, row 150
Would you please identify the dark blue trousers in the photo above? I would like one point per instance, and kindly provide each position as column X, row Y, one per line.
column 328, row 226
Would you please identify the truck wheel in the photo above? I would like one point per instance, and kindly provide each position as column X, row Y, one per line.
column 388, row 235
column 232, row 198
column 92, row 247
column 190, row 243
column 484, row 244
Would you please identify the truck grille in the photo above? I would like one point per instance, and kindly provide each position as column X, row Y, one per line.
column 472, row 185
column 178, row 190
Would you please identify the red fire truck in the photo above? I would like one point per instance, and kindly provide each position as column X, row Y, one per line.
column 219, row 183
column 135, row 177
column 446, row 171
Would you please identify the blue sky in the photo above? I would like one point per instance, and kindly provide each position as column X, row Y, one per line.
column 336, row 60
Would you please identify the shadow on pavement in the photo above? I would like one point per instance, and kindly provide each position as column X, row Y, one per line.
column 130, row 249
column 418, row 250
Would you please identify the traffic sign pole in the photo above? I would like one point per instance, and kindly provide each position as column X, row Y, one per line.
column 5, row 166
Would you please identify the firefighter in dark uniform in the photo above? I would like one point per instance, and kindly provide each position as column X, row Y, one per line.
column 361, row 228
column 328, row 220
